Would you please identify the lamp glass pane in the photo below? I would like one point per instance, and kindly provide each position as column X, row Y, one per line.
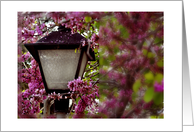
column 59, row 66
column 83, row 64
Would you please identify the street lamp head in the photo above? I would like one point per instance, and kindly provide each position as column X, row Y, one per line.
column 57, row 59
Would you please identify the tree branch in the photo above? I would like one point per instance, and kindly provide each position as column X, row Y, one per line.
column 92, row 68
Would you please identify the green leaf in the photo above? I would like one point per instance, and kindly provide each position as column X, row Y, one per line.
column 134, row 96
column 113, row 19
column 150, row 55
column 160, row 63
column 85, row 112
column 87, row 19
column 144, row 52
column 153, row 26
column 111, row 57
column 149, row 94
column 116, row 94
column 153, row 117
column 124, row 32
column 144, row 43
column 102, row 98
column 96, row 24
column 157, row 40
column 104, row 61
column 136, row 85
column 112, row 42
column 95, row 50
column 77, row 100
column 159, row 77
column 149, row 77
column 101, row 61
column 116, row 50
column 84, row 79
column 158, row 98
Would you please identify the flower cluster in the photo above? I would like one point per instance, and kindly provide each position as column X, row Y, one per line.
column 77, row 20
column 82, row 87
column 130, row 45
column 82, row 104
column 55, row 96
column 29, row 100
column 140, row 21
column 87, row 93
column 24, row 57
column 30, row 27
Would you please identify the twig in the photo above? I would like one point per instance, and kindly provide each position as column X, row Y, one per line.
column 114, row 68
column 41, row 108
column 88, row 49
column 69, row 93
column 25, row 65
column 158, row 42
column 131, row 112
column 111, row 81
column 92, row 75
column 73, row 101
column 95, row 82
column 94, row 64
column 92, row 68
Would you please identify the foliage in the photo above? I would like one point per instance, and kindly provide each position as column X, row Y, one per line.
column 127, row 76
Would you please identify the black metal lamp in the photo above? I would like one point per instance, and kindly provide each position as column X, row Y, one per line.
column 58, row 62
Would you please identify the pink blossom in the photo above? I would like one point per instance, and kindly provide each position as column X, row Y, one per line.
column 159, row 87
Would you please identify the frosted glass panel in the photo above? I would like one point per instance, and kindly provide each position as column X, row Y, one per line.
column 83, row 64
column 59, row 66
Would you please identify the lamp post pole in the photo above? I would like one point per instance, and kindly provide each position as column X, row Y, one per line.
column 47, row 103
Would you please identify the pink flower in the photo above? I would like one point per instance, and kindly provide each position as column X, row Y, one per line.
column 159, row 87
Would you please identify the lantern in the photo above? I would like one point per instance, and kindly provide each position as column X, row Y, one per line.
column 61, row 58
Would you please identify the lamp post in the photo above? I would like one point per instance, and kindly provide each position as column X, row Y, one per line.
column 58, row 61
